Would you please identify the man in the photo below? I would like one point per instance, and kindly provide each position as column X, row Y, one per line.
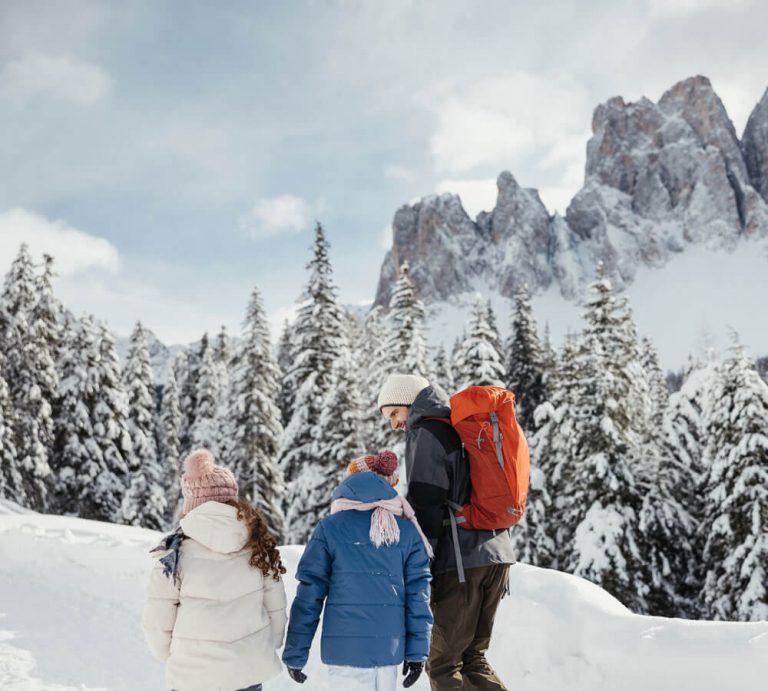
column 437, row 473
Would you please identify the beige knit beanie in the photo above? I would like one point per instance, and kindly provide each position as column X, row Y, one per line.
column 401, row 389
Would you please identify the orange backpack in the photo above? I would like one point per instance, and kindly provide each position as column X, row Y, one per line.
column 499, row 463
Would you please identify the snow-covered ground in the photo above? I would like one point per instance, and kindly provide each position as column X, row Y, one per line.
column 71, row 593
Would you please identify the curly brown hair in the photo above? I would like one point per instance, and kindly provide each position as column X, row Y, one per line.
column 264, row 556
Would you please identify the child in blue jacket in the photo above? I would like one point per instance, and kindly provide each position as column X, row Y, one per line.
column 368, row 563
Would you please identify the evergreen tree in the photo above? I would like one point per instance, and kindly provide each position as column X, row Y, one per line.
column 600, row 500
column 169, row 447
column 490, row 317
column 222, row 356
column 145, row 502
column 318, row 334
column 338, row 437
column 284, row 360
column 735, row 528
column 406, row 346
column 478, row 361
column 188, row 381
column 91, row 476
column 254, row 428
column 525, row 362
column 657, row 385
column 111, row 432
column 374, row 366
column 204, row 431
column 10, row 478
column 25, row 335
column 442, row 368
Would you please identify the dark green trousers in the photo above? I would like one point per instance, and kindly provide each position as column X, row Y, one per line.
column 464, row 614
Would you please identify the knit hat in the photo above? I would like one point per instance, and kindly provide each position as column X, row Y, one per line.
column 383, row 463
column 204, row 481
column 401, row 389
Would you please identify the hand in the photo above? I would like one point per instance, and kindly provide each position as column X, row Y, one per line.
column 412, row 671
column 297, row 675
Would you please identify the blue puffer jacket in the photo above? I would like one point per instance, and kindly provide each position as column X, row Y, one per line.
column 376, row 599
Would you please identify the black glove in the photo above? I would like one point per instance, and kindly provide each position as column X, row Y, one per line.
column 297, row 675
column 412, row 671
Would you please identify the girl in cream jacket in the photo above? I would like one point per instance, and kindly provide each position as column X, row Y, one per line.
column 216, row 607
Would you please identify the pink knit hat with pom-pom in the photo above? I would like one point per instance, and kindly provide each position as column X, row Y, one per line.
column 204, row 481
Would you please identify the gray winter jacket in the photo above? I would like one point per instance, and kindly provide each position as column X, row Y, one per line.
column 437, row 471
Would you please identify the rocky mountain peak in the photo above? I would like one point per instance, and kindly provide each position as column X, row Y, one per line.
column 659, row 176
column 755, row 146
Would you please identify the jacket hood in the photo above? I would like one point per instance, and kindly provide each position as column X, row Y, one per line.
column 430, row 402
column 365, row 487
column 215, row 526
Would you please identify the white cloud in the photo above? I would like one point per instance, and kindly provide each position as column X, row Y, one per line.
column 282, row 215
column 72, row 249
column 476, row 195
column 499, row 121
column 59, row 76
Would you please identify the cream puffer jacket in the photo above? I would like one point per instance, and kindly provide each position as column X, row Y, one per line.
column 219, row 625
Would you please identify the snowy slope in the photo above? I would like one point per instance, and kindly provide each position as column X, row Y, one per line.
column 71, row 593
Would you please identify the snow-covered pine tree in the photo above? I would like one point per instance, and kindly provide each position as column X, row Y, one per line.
column 668, row 534
column 548, row 361
column 490, row 317
column 657, row 385
column 551, row 453
column 90, row 475
column 443, row 373
column 338, row 434
column 188, row 381
column 10, row 478
column 110, row 412
column 169, row 446
column 525, row 361
column 599, row 499
column 374, row 364
column 284, row 360
column 145, row 501
column 205, row 431
column 254, row 428
column 222, row 356
column 478, row 362
column 735, row 528
column 406, row 345
column 318, row 335
column 31, row 375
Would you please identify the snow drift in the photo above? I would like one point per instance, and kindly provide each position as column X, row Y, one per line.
column 71, row 593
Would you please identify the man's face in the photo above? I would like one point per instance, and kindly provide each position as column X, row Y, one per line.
column 396, row 415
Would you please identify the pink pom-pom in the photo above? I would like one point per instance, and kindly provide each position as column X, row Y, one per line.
column 199, row 462
column 385, row 463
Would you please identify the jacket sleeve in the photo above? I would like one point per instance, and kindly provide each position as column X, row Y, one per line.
column 314, row 578
column 418, row 615
column 275, row 604
column 159, row 616
column 428, row 481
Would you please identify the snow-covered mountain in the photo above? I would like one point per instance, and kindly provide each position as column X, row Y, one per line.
column 72, row 593
column 659, row 177
column 662, row 181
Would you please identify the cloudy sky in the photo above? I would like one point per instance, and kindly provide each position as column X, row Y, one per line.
column 173, row 155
